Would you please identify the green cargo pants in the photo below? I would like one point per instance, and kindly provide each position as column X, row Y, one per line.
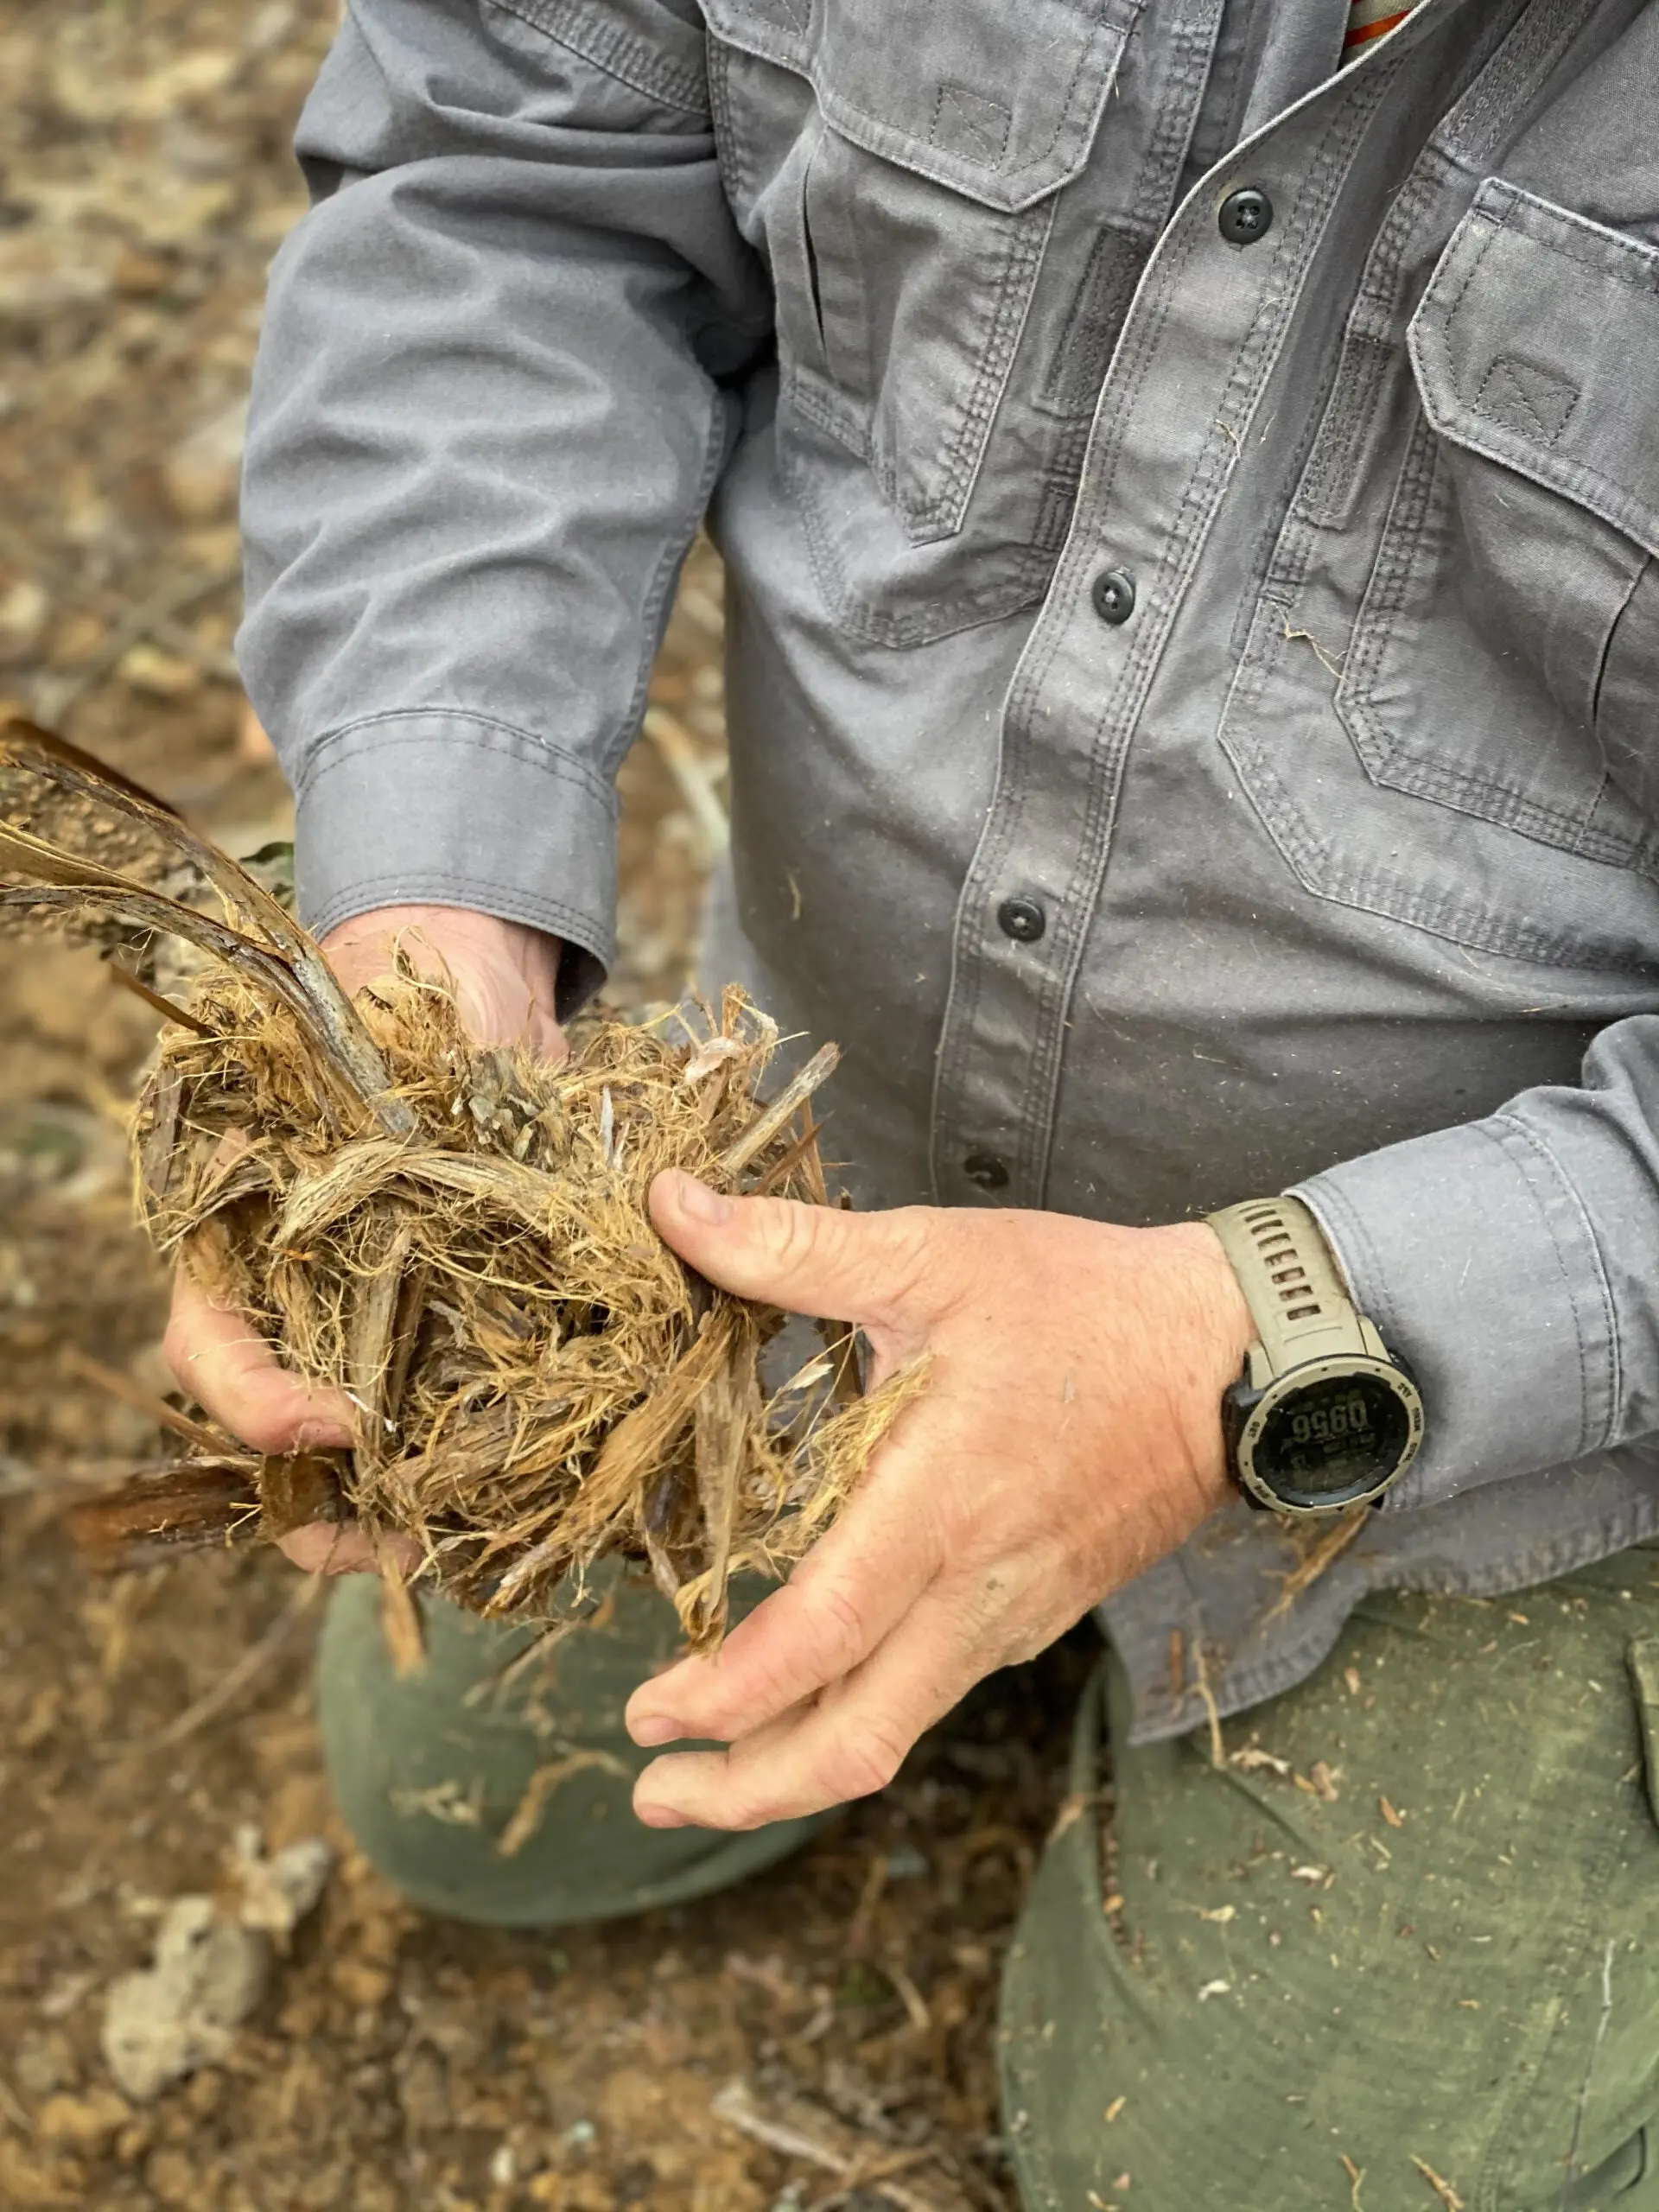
column 1401, row 1946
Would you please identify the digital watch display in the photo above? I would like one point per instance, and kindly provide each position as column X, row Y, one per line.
column 1323, row 1417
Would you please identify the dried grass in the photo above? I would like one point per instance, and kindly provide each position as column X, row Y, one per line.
column 458, row 1239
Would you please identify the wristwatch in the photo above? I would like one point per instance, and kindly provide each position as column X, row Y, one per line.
column 1323, row 1417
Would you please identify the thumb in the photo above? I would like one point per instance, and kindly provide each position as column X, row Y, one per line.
column 816, row 1260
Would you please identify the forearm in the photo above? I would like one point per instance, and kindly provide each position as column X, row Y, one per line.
column 488, row 412
column 1512, row 1262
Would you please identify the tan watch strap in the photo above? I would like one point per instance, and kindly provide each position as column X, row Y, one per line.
column 1291, row 1285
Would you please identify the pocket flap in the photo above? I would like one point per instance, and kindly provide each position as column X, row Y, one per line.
column 1537, row 344
column 999, row 101
column 1641, row 1658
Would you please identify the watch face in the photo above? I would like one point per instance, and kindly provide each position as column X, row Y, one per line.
column 1341, row 1436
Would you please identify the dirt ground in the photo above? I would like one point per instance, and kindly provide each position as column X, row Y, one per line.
column 397, row 2061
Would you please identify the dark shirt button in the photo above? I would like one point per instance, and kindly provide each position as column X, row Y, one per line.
column 1114, row 595
column 1245, row 216
column 987, row 1170
column 1023, row 919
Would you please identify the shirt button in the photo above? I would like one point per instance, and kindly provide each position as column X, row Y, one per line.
column 987, row 1170
column 1245, row 216
column 1113, row 591
column 1022, row 919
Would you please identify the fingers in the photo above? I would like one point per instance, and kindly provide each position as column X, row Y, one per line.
column 849, row 1592
column 848, row 1745
column 328, row 1548
column 336, row 1548
column 226, row 1366
column 842, row 1266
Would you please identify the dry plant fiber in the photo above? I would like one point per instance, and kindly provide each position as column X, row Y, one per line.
column 458, row 1239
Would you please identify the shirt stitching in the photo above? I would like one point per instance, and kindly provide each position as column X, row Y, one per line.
column 373, row 733
column 618, row 52
column 1594, row 1436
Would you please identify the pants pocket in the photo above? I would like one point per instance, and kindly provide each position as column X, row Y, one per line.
column 1642, row 1658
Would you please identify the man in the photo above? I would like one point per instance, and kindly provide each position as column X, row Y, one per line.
column 1187, row 480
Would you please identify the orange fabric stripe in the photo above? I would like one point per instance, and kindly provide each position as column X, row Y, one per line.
column 1362, row 34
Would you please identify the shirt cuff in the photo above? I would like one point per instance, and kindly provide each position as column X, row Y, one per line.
column 1474, row 1256
column 441, row 808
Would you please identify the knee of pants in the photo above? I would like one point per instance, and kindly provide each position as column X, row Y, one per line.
column 511, row 1806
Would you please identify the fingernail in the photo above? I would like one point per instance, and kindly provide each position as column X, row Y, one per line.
column 652, row 1729
column 660, row 1817
column 699, row 1202
column 322, row 1435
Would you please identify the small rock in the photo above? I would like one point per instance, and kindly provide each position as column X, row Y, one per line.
column 424, row 2092
column 173, row 2178
column 82, row 2123
column 201, row 475
column 278, row 1892
column 363, row 1985
column 185, row 82
column 183, row 2012
column 44, row 2064
column 25, row 608
column 132, row 2142
column 163, row 676
column 141, row 276
column 44, row 274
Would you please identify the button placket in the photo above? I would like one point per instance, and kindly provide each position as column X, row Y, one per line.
column 1150, row 497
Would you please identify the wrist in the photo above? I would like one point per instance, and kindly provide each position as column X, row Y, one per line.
column 1216, row 1334
column 415, row 925
column 506, row 974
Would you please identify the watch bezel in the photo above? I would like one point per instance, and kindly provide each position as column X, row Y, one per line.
column 1248, row 1410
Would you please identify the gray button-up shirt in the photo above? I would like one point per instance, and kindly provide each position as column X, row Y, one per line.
column 1339, row 853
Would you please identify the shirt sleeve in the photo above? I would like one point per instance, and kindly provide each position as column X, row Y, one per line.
column 1513, row 1263
column 494, row 388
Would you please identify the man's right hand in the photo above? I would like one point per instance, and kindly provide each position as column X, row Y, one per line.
column 504, row 975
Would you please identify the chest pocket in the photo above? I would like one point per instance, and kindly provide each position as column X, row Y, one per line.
column 1506, row 660
column 896, row 162
column 1491, row 770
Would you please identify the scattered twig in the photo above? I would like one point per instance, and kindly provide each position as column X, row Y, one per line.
column 857, row 1939
column 694, row 775
column 911, row 1998
column 236, row 1679
column 1218, row 1749
column 155, row 1001
column 12, row 2105
column 1326, row 1547
column 147, row 619
column 830, row 2145
column 541, row 1786
column 799, row 1088
column 1441, row 2187
column 117, row 1385
column 1330, row 662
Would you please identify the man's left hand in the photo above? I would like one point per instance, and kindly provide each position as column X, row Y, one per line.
column 1070, row 1434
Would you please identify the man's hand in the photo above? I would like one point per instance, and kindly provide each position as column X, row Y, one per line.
column 1070, row 1435
column 504, row 975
